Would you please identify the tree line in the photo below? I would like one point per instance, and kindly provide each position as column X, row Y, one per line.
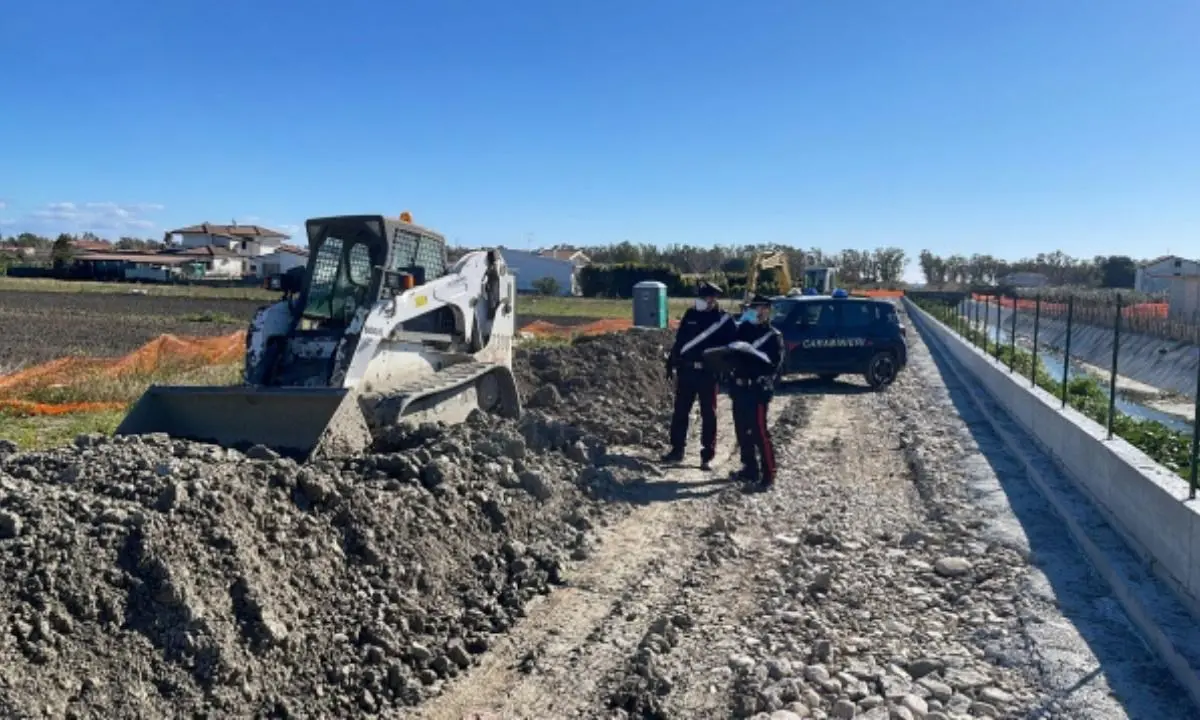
column 1101, row 271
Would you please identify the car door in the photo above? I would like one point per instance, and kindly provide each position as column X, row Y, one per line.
column 818, row 323
column 856, row 334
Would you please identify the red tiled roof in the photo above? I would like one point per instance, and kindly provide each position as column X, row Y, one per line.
column 234, row 231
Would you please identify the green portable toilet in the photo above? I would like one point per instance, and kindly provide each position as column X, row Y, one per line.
column 650, row 304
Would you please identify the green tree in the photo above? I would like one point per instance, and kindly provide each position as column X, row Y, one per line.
column 547, row 286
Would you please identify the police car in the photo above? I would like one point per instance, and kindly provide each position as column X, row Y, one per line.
column 836, row 334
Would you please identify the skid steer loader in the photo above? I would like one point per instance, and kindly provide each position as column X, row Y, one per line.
column 376, row 330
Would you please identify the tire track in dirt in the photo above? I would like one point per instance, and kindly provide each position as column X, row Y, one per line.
column 551, row 664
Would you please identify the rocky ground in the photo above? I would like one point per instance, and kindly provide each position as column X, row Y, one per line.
column 550, row 569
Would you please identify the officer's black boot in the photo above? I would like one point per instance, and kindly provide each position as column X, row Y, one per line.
column 674, row 456
column 706, row 459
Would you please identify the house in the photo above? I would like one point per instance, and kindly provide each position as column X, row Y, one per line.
column 1183, row 304
column 278, row 262
column 132, row 266
column 214, row 260
column 245, row 241
column 531, row 267
column 1155, row 276
column 577, row 257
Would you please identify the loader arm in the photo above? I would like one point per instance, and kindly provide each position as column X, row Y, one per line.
column 382, row 332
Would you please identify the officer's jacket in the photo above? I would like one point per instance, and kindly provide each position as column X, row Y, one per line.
column 700, row 330
column 767, row 351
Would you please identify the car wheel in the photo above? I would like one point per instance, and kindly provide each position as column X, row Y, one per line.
column 828, row 377
column 881, row 371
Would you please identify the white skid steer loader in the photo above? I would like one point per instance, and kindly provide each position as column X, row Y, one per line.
column 376, row 331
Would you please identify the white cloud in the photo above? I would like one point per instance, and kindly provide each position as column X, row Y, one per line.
column 3, row 204
column 107, row 219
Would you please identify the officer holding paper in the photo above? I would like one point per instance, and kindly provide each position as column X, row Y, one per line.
column 702, row 327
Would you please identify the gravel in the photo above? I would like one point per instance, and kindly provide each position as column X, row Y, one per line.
column 146, row 577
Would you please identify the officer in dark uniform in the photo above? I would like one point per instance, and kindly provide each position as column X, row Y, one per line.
column 754, row 372
column 702, row 327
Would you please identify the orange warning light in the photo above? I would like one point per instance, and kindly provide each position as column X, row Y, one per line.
column 406, row 216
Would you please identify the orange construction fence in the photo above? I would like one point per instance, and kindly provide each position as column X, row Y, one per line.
column 164, row 353
column 1145, row 310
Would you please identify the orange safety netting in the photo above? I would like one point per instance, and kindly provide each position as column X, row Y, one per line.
column 1145, row 310
column 164, row 353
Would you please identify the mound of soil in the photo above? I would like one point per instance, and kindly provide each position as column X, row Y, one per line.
column 146, row 577
column 612, row 386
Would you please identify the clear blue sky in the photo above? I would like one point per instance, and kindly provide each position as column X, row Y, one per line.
column 1000, row 126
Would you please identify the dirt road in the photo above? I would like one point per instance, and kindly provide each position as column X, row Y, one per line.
column 903, row 568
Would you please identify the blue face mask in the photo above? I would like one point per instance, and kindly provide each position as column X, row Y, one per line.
column 748, row 316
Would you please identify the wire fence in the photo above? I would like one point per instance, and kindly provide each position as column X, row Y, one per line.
column 1105, row 359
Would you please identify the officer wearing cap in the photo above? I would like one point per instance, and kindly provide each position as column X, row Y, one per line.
column 703, row 327
column 753, row 384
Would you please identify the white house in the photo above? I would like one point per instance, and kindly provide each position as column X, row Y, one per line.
column 1155, row 276
column 278, row 262
column 1184, row 301
column 577, row 257
column 530, row 267
column 245, row 241
column 218, row 262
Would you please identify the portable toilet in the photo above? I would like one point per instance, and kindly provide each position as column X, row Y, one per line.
column 650, row 304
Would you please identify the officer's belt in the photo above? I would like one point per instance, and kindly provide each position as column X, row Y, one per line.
column 704, row 335
column 745, row 382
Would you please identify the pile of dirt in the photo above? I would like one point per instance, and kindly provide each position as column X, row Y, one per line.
column 611, row 385
column 147, row 577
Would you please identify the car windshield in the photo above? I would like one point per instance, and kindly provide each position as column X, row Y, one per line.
column 780, row 310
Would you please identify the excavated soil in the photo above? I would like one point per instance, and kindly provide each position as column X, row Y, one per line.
column 146, row 577
column 610, row 385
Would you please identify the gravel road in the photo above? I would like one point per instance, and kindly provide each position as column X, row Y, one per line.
column 904, row 568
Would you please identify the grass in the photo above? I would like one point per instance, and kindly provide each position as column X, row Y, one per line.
column 86, row 286
column 1167, row 447
column 209, row 316
column 596, row 308
column 43, row 431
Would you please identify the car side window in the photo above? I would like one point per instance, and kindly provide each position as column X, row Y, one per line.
column 857, row 315
column 819, row 315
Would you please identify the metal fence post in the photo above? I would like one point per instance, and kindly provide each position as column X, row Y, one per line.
column 1037, row 320
column 975, row 327
column 1192, row 482
column 987, row 319
column 1012, row 337
column 998, row 322
column 1112, row 380
column 1067, row 349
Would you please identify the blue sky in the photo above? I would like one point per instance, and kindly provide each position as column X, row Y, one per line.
column 1001, row 126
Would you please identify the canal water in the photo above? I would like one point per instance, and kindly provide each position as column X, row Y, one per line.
column 1052, row 361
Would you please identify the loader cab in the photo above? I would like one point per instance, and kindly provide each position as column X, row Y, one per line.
column 344, row 255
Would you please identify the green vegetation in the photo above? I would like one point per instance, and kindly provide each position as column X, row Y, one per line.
column 1165, row 446
column 41, row 431
column 596, row 308
column 210, row 316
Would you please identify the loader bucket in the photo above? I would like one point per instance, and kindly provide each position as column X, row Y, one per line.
column 301, row 423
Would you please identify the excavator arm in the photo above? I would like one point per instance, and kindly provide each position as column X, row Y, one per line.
column 769, row 260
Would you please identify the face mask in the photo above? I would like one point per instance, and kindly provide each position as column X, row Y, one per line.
column 749, row 317
column 701, row 304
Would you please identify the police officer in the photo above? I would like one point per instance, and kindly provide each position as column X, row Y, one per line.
column 702, row 327
column 754, row 372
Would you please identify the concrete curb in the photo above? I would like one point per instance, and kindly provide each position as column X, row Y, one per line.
column 1156, row 610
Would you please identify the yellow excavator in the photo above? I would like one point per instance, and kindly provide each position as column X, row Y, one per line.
column 776, row 260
